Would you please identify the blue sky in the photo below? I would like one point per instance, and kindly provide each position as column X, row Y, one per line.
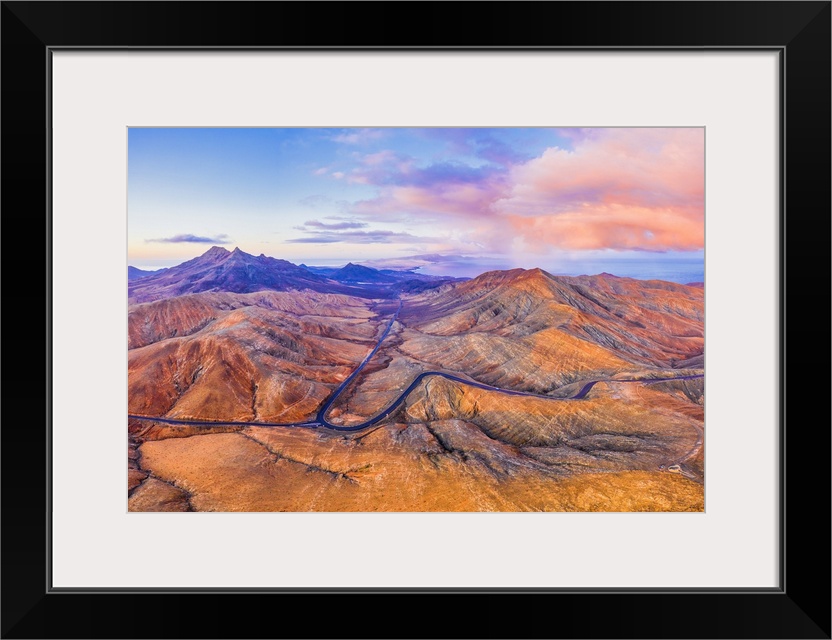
column 453, row 201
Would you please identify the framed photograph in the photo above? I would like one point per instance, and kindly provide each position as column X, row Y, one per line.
column 419, row 318
column 428, row 340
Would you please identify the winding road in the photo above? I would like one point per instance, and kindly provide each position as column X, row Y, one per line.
column 321, row 420
column 321, row 417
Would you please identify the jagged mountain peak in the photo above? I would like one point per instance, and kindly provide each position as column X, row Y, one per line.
column 239, row 272
column 216, row 252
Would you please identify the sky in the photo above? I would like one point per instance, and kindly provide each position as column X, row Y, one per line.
column 451, row 201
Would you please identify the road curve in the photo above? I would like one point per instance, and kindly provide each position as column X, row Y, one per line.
column 321, row 416
column 585, row 389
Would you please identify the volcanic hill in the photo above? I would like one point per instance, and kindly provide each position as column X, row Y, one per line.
column 357, row 274
column 234, row 271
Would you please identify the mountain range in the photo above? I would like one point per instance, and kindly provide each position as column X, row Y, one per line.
column 239, row 272
column 134, row 273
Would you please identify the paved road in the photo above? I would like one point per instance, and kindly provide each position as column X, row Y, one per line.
column 321, row 420
column 321, row 417
column 585, row 389
column 221, row 423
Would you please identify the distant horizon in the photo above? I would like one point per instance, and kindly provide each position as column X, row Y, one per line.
column 679, row 271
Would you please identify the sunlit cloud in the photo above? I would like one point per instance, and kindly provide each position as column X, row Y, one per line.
column 618, row 189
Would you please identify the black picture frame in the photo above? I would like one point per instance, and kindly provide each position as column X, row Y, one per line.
column 798, row 608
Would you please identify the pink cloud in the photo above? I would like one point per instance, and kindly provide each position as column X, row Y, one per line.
column 618, row 189
column 629, row 166
column 462, row 200
column 610, row 227
column 622, row 189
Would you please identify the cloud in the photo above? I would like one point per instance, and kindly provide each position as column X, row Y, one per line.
column 481, row 143
column 321, row 239
column 361, row 237
column 315, row 200
column 436, row 190
column 321, row 171
column 188, row 237
column 389, row 168
column 358, row 136
column 459, row 265
column 466, row 200
column 335, row 226
column 640, row 189
column 620, row 228
column 498, row 152
column 618, row 188
column 645, row 167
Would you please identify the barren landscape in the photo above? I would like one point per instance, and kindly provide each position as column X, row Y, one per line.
column 258, row 385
